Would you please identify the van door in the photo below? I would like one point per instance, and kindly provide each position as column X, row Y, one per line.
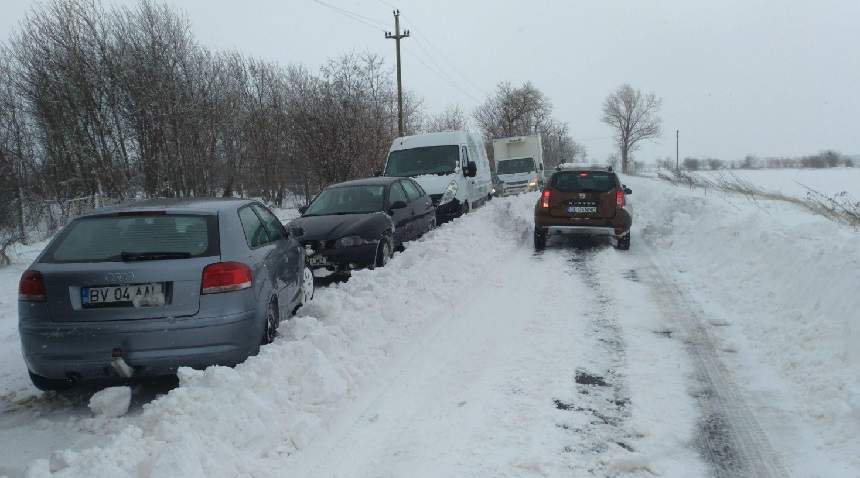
column 472, row 194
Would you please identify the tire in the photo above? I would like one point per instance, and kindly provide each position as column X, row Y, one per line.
column 50, row 384
column 308, row 287
column 623, row 242
column 384, row 251
column 540, row 240
column 273, row 319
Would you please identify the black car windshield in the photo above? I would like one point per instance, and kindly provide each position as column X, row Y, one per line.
column 513, row 166
column 348, row 200
column 427, row 160
column 583, row 181
column 134, row 237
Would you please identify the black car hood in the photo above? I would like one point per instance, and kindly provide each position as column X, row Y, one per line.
column 323, row 228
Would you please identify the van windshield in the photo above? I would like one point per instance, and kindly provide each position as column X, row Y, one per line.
column 513, row 166
column 439, row 160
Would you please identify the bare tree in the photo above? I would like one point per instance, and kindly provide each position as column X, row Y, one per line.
column 513, row 111
column 452, row 119
column 634, row 116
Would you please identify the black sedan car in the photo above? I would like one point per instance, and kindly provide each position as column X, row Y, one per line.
column 361, row 223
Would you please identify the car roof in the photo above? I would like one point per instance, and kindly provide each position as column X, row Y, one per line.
column 188, row 205
column 375, row 181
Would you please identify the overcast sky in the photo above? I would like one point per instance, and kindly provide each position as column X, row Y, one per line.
column 768, row 77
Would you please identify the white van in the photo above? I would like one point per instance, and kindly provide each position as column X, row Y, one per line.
column 452, row 166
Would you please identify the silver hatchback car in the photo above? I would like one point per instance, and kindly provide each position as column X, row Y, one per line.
column 143, row 289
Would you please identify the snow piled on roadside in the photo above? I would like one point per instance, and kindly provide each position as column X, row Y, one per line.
column 243, row 421
column 780, row 286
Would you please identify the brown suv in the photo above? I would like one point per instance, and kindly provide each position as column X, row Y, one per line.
column 586, row 201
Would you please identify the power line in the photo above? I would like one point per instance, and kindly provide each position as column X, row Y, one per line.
column 422, row 38
column 352, row 15
column 444, row 76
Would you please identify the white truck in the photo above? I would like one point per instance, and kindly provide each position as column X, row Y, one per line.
column 519, row 164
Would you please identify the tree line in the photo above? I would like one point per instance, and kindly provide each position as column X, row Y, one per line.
column 104, row 104
column 824, row 159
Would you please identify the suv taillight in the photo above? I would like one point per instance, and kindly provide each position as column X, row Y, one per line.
column 544, row 198
column 226, row 277
column 32, row 286
column 619, row 198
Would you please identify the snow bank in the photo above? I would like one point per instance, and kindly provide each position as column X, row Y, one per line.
column 245, row 420
column 111, row 402
column 794, row 182
column 780, row 286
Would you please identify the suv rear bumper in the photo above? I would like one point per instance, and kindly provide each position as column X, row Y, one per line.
column 618, row 226
column 583, row 230
column 83, row 350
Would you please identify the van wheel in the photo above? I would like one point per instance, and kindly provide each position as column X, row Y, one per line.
column 50, row 384
column 466, row 209
column 272, row 321
column 540, row 239
column 623, row 242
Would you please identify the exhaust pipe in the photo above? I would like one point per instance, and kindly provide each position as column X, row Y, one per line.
column 119, row 364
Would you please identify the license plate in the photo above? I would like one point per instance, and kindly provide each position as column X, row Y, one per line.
column 317, row 260
column 136, row 295
column 582, row 209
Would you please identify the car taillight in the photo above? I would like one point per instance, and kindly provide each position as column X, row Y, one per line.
column 226, row 277
column 544, row 198
column 32, row 286
column 619, row 198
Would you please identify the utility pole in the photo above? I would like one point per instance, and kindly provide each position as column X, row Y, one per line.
column 677, row 140
column 396, row 37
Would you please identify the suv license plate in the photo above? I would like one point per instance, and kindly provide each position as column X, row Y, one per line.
column 137, row 295
column 582, row 209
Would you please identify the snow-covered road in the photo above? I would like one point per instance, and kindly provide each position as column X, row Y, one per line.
column 471, row 355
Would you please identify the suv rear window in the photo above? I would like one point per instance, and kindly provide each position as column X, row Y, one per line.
column 141, row 236
column 583, row 181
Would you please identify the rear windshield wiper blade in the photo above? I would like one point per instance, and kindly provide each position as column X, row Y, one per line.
column 152, row 256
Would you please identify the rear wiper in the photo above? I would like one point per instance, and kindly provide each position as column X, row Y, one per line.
column 152, row 256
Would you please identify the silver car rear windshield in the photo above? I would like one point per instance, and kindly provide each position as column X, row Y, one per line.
column 136, row 237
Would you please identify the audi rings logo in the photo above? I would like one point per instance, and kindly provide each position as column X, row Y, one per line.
column 119, row 277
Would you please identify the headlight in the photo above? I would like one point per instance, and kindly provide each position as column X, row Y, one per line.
column 350, row 241
column 533, row 183
column 449, row 193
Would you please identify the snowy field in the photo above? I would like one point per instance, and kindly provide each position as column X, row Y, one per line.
column 725, row 342
column 796, row 182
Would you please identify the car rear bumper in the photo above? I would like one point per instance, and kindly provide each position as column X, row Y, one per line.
column 83, row 350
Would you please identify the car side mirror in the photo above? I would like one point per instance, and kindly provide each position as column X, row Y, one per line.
column 628, row 191
column 471, row 170
column 302, row 209
column 377, row 173
column 397, row 205
column 297, row 231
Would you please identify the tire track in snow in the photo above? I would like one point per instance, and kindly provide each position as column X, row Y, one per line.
column 602, row 398
column 729, row 437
